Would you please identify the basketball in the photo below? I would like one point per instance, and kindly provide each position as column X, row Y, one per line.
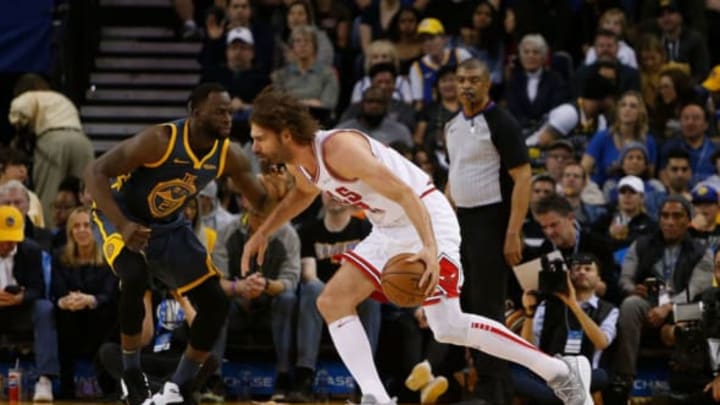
column 400, row 281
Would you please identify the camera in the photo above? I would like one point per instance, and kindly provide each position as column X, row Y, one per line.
column 692, row 312
column 552, row 277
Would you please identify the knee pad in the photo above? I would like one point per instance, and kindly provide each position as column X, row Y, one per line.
column 448, row 323
column 132, row 271
column 212, row 310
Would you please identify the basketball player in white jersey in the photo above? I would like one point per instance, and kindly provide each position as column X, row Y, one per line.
column 408, row 215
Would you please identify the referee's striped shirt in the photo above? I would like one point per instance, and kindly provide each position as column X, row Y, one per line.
column 481, row 149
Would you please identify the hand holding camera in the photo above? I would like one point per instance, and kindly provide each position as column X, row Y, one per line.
column 552, row 277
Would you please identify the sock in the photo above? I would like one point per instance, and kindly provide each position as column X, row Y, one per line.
column 185, row 371
column 131, row 359
column 352, row 343
column 495, row 339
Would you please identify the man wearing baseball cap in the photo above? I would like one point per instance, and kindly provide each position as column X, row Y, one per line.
column 704, row 226
column 423, row 72
column 23, row 307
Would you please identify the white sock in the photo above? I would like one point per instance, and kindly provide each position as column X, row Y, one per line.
column 352, row 344
column 495, row 339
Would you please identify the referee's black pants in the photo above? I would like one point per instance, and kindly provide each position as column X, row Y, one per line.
column 483, row 232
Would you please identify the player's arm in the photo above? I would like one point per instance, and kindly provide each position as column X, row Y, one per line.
column 295, row 201
column 237, row 167
column 147, row 147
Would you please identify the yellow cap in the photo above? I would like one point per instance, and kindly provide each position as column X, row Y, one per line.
column 712, row 83
column 12, row 225
column 430, row 26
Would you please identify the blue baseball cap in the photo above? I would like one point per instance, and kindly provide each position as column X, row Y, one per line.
column 704, row 194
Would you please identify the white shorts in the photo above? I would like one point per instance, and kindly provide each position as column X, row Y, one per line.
column 371, row 254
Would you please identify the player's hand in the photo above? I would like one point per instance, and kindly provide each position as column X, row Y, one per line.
column 512, row 249
column 255, row 246
column 430, row 277
column 135, row 236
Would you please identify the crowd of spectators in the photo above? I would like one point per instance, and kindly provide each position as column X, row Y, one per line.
column 619, row 104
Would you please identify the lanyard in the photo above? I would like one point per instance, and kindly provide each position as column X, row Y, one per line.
column 669, row 261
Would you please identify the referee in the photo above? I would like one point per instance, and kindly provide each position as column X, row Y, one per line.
column 489, row 183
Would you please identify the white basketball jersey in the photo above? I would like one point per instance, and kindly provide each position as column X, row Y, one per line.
column 381, row 211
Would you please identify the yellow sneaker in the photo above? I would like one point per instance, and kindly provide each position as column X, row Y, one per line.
column 432, row 391
column 420, row 376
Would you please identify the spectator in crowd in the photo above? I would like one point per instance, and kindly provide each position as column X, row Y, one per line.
column 206, row 235
column 613, row 20
column 634, row 161
column 674, row 90
column 624, row 77
column 682, row 42
column 267, row 293
column 23, row 306
column 14, row 193
column 571, row 322
column 436, row 54
column 238, row 13
column 403, row 33
column 626, row 220
column 375, row 21
column 694, row 123
column 300, row 14
column 66, row 200
column 85, row 293
column 335, row 18
column 374, row 120
column 541, row 186
column 630, row 124
column 14, row 165
column 308, row 78
column 380, row 52
column 578, row 120
column 712, row 85
column 557, row 155
column 323, row 243
column 384, row 76
column 482, row 35
column 548, row 18
column 50, row 130
column 679, row 268
column 679, row 173
column 563, row 232
column 430, row 130
column 573, row 183
column 533, row 90
column 714, row 180
column 211, row 212
column 704, row 226
column 430, row 165
column 652, row 59
column 239, row 76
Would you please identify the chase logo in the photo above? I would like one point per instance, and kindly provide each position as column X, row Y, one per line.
column 168, row 196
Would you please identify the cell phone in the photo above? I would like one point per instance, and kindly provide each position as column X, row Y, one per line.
column 13, row 289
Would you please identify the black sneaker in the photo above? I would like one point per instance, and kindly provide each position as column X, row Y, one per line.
column 135, row 387
column 302, row 391
column 282, row 386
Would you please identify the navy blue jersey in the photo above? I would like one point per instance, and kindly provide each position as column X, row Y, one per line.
column 157, row 192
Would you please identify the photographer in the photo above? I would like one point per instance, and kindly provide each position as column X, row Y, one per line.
column 573, row 321
column 658, row 270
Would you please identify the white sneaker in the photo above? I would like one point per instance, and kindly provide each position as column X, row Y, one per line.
column 169, row 394
column 420, row 376
column 43, row 390
column 433, row 390
column 574, row 388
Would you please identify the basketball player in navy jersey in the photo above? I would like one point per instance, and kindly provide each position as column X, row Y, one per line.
column 140, row 188
column 408, row 215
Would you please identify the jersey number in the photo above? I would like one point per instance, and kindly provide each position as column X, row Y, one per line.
column 352, row 198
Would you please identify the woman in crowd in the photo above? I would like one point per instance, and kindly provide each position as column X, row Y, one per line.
column 382, row 51
column 403, row 33
column 299, row 14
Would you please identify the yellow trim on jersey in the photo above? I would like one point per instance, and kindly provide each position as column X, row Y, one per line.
column 197, row 163
column 212, row 272
column 223, row 156
column 170, row 147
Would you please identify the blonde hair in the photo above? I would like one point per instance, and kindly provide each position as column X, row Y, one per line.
column 382, row 46
column 70, row 255
column 642, row 124
column 613, row 13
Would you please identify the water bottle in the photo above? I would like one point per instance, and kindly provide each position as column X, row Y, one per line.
column 322, row 387
column 245, row 386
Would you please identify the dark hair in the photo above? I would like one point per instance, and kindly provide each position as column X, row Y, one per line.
column 381, row 68
column 72, row 185
column 394, row 27
column 552, row 203
column 12, row 156
column 30, row 82
column 678, row 199
column 678, row 153
column 201, row 93
column 277, row 110
column 606, row 33
column 706, row 114
column 543, row 178
column 490, row 39
column 444, row 71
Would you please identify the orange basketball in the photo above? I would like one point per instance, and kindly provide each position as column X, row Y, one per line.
column 400, row 281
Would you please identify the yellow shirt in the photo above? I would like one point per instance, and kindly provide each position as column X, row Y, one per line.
column 43, row 110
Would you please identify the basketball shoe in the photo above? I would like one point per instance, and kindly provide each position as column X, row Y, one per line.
column 573, row 388
column 135, row 387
